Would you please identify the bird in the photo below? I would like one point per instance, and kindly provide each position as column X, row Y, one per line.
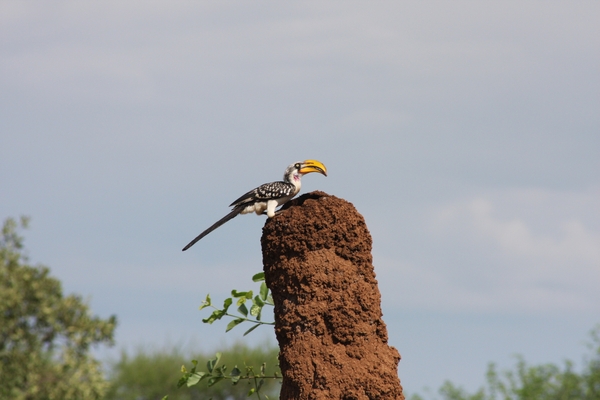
column 267, row 197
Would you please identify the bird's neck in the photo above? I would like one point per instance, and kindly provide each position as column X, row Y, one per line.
column 292, row 178
column 295, row 179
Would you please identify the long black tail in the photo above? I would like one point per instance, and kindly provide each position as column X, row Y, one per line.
column 214, row 226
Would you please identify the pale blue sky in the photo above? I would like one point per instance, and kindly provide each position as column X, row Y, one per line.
column 466, row 133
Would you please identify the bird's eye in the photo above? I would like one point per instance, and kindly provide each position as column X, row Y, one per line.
column 297, row 166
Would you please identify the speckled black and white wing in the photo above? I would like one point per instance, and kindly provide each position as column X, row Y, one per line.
column 266, row 192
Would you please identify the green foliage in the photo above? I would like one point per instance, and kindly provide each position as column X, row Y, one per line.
column 538, row 382
column 253, row 315
column 150, row 375
column 215, row 373
column 45, row 337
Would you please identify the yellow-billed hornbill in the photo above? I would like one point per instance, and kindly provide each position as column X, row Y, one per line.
column 267, row 197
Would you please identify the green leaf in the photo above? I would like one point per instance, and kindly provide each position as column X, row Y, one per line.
column 241, row 301
column 214, row 380
column 234, row 323
column 235, row 375
column 217, row 314
column 264, row 291
column 255, row 311
column 243, row 310
column 251, row 392
column 193, row 379
column 206, row 302
column 251, row 329
column 220, row 371
column 260, row 383
column 228, row 301
column 258, row 277
column 258, row 301
column 236, row 294
column 211, row 364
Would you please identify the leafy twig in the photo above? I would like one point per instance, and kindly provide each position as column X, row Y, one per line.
column 258, row 302
column 215, row 374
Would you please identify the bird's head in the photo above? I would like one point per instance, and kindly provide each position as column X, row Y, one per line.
column 297, row 169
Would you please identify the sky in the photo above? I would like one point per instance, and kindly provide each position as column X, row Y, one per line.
column 466, row 133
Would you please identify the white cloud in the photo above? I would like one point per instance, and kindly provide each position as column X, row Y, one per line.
column 514, row 251
column 515, row 236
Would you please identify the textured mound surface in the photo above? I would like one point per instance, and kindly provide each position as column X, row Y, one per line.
column 333, row 342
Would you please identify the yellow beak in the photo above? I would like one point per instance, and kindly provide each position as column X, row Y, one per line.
column 309, row 166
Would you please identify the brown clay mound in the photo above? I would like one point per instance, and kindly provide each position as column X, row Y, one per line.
column 318, row 265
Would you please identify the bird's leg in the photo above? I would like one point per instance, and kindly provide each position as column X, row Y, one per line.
column 276, row 212
column 271, row 205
